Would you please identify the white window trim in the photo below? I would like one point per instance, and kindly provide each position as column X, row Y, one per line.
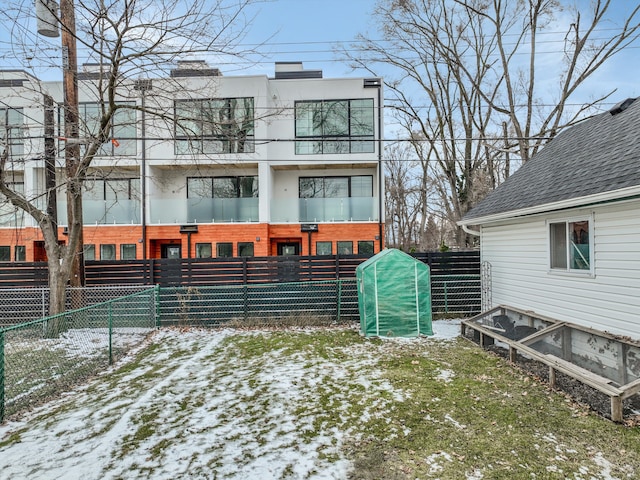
column 572, row 271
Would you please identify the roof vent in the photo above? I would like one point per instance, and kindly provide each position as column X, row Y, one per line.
column 622, row 106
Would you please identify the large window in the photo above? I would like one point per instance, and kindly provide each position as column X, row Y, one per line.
column 10, row 215
column 11, row 128
column 113, row 200
column 112, row 189
column 336, row 187
column 222, row 199
column 328, row 199
column 570, row 245
column 224, row 125
column 122, row 131
column 335, row 126
column 222, row 187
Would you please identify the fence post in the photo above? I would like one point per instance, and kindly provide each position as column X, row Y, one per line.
column 1, row 376
column 111, row 333
column 339, row 313
column 446, row 300
column 245, row 301
column 157, row 304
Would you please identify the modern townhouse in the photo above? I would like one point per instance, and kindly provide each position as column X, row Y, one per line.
column 235, row 166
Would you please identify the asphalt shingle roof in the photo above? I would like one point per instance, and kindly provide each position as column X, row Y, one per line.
column 601, row 154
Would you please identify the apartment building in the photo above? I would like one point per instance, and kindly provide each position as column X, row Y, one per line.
column 236, row 166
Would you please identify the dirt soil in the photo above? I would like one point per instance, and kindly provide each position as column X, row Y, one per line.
column 576, row 390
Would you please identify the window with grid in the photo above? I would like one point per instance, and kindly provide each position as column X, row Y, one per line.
column 222, row 187
column 11, row 134
column 214, row 126
column 336, row 187
column 334, row 126
column 121, row 131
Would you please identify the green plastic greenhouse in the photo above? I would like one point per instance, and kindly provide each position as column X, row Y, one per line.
column 394, row 295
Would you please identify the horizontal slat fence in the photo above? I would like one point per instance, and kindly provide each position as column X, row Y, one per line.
column 228, row 271
column 455, row 285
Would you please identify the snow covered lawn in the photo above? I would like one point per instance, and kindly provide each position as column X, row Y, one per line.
column 296, row 404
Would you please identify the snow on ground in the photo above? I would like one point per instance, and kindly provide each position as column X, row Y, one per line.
column 445, row 329
column 191, row 407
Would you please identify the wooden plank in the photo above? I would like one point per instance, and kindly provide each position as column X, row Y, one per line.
column 575, row 370
column 631, row 388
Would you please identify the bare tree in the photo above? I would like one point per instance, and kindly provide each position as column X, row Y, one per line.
column 404, row 203
column 127, row 40
column 465, row 77
column 585, row 48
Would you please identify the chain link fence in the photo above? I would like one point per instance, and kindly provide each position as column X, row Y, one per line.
column 41, row 358
column 19, row 305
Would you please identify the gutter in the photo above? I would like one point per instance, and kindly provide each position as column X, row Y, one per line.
column 614, row 195
column 468, row 230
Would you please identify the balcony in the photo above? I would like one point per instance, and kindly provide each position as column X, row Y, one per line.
column 104, row 212
column 346, row 209
column 204, row 210
column 10, row 217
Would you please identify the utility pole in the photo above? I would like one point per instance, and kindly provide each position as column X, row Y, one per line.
column 72, row 149
column 143, row 85
column 50, row 162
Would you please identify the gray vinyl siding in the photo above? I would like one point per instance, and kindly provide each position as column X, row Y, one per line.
column 609, row 300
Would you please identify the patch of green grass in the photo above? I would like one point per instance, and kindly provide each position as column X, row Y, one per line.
column 14, row 437
column 487, row 417
column 146, row 424
column 403, row 409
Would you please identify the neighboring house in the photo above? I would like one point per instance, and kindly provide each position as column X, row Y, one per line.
column 290, row 165
column 562, row 234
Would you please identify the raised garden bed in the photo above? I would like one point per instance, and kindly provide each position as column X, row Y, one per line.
column 601, row 363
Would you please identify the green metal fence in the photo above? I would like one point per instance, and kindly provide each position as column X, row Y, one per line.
column 41, row 358
column 334, row 301
column 53, row 354
column 456, row 295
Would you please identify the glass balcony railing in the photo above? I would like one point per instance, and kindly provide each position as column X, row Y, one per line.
column 347, row 209
column 10, row 217
column 217, row 210
column 204, row 210
column 104, row 212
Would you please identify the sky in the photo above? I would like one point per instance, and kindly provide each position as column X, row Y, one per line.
column 310, row 30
